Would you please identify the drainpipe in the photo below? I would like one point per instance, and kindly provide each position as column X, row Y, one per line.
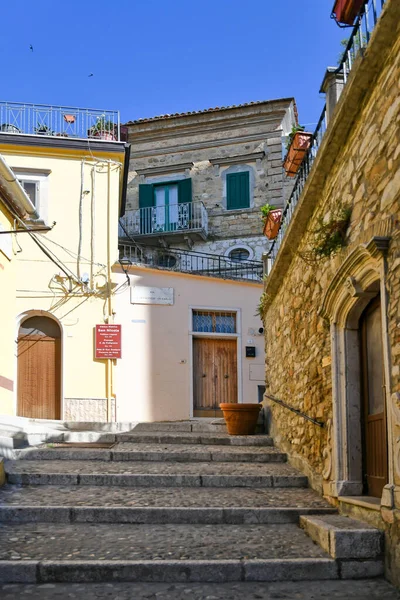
column 110, row 316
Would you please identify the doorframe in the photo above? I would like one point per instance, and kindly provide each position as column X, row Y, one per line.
column 20, row 319
column 226, row 336
column 360, row 278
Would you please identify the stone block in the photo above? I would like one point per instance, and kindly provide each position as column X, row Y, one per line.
column 17, row 571
column 295, row 569
column 361, row 569
column 35, row 514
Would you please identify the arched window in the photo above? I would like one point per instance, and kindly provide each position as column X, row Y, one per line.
column 239, row 254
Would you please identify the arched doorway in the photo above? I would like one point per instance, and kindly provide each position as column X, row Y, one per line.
column 373, row 413
column 39, row 368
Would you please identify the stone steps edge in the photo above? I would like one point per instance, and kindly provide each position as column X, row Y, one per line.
column 176, row 571
column 157, row 515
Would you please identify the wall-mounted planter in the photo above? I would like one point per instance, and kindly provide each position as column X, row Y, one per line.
column 345, row 11
column 272, row 223
column 241, row 419
column 298, row 148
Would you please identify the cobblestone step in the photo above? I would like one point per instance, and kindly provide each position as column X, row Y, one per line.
column 154, row 474
column 195, row 438
column 128, row 451
column 374, row 589
column 157, row 505
column 82, row 552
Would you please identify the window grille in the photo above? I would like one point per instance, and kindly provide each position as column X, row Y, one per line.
column 214, row 322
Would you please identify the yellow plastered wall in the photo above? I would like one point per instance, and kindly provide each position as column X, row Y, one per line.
column 41, row 285
column 7, row 303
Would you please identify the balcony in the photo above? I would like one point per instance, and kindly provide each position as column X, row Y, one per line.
column 190, row 262
column 173, row 223
column 60, row 121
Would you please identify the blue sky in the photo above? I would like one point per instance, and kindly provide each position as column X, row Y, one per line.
column 150, row 57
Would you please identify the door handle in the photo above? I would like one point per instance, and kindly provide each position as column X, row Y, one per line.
column 204, row 375
column 226, row 376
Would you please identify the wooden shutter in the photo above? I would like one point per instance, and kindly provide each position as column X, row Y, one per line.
column 237, row 190
column 184, row 190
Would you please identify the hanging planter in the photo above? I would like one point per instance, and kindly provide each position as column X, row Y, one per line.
column 299, row 143
column 241, row 419
column 272, row 222
column 345, row 11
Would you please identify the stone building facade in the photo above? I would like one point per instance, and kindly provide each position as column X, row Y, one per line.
column 316, row 311
column 210, row 148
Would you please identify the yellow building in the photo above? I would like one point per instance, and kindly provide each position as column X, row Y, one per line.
column 56, row 283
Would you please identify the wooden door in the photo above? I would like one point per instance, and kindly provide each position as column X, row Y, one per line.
column 375, row 459
column 214, row 375
column 39, row 370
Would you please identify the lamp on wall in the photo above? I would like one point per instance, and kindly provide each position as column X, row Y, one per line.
column 125, row 263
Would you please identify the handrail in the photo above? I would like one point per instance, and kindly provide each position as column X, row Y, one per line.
column 295, row 410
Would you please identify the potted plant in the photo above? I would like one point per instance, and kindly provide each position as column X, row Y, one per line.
column 272, row 220
column 103, row 130
column 345, row 11
column 43, row 129
column 298, row 143
column 240, row 419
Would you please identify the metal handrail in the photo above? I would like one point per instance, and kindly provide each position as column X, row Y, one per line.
column 295, row 410
column 166, row 219
column 358, row 40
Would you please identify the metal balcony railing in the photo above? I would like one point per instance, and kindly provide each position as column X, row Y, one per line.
column 195, row 263
column 358, row 40
column 59, row 121
column 165, row 219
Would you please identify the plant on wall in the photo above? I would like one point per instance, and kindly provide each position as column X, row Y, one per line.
column 295, row 129
column 329, row 236
column 262, row 306
column 265, row 210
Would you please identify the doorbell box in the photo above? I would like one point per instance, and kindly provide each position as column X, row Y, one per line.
column 250, row 351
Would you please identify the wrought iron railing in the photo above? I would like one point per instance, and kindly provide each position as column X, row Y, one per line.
column 358, row 40
column 187, row 261
column 158, row 220
column 59, row 121
column 295, row 410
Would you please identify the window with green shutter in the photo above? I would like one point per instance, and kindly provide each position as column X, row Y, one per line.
column 237, row 190
column 159, row 202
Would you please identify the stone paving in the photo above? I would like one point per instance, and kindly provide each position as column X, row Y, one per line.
column 97, row 542
column 375, row 589
column 160, row 497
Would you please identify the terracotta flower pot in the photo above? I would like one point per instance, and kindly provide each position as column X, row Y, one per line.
column 240, row 419
column 345, row 11
column 272, row 223
column 298, row 148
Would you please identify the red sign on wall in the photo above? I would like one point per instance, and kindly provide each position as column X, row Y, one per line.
column 108, row 341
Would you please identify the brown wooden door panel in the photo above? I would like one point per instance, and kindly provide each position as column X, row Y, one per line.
column 214, row 375
column 374, row 420
column 225, row 371
column 39, row 364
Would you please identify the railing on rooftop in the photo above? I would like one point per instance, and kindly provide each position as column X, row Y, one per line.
column 165, row 219
column 59, row 121
column 187, row 261
column 358, row 40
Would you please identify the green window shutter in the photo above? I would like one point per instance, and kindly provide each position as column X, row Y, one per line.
column 237, row 190
column 185, row 190
column 146, row 200
column 146, row 195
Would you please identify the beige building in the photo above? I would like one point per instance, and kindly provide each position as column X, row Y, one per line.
column 197, row 180
column 184, row 344
column 71, row 166
column 332, row 296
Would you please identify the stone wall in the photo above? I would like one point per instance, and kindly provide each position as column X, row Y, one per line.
column 358, row 167
column 87, row 409
column 210, row 140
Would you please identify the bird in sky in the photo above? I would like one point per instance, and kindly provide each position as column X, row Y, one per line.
column 31, row 47
column 91, row 75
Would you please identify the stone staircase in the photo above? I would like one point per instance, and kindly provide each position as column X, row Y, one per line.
column 172, row 502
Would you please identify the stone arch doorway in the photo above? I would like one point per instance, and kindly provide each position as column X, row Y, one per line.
column 373, row 409
column 39, row 368
column 354, row 304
